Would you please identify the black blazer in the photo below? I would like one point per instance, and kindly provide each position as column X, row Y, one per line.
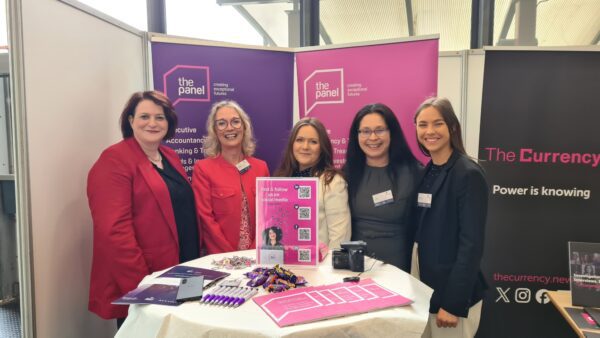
column 451, row 236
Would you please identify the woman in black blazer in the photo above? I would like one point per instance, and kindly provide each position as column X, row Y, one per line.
column 452, row 201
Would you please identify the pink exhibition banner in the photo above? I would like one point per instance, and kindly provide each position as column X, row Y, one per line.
column 334, row 84
column 311, row 304
column 287, row 221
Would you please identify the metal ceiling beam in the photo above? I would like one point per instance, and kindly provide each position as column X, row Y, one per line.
column 324, row 35
column 248, row 2
column 482, row 23
column 596, row 39
column 309, row 22
column 409, row 17
column 268, row 40
column 510, row 14
column 525, row 21
column 157, row 16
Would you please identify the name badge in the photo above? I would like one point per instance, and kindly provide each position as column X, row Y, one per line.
column 424, row 200
column 243, row 166
column 383, row 198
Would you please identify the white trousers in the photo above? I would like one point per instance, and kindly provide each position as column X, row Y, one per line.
column 466, row 327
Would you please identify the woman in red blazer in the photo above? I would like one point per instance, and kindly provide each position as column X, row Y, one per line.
column 225, row 181
column 142, row 205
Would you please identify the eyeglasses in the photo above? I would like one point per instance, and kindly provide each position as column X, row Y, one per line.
column 222, row 124
column 366, row 133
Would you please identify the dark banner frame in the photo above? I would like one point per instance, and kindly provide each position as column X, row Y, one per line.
column 539, row 146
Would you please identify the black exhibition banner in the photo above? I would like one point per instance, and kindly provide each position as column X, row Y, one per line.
column 539, row 145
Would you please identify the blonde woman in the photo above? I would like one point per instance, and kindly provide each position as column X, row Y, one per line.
column 224, row 182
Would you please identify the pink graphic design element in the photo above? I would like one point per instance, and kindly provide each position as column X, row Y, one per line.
column 288, row 206
column 324, row 86
column 321, row 302
column 200, row 89
column 400, row 75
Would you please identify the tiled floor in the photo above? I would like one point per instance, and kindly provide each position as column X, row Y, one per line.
column 10, row 320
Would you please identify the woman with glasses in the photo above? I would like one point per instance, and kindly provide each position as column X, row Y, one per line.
column 382, row 175
column 225, row 181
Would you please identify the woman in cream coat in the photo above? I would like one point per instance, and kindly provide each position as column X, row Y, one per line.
column 309, row 154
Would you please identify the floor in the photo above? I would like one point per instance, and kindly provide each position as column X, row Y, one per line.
column 10, row 320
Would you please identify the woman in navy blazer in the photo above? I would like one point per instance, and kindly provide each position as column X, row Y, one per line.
column 452, row 200
column 142, row 205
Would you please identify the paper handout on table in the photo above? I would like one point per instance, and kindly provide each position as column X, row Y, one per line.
column 161, row 294
column 182, row 271
column 310, row 304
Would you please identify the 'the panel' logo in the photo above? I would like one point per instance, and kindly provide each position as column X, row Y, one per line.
column 324, row 86
column 187, row 83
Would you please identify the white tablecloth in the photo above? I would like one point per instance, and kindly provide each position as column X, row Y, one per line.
column 193, row 319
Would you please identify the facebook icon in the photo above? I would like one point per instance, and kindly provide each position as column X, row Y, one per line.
column 542, row 297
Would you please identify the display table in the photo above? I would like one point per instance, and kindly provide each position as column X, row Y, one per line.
column 562, row 299
column 193, row 319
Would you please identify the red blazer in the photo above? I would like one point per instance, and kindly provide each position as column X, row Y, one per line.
column 134, row 226
column 218, row 194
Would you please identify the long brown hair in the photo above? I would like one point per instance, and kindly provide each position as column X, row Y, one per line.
column 324, row 165
column 444, row 106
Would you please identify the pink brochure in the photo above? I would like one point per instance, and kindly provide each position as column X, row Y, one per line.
column 287, row 221
column 311, row 304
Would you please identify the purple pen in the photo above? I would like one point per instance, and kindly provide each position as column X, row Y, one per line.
column 230, row 297
column 237, row 297
column 222, row 295
column 214, row 294
column 246, row 297
column 241, row 296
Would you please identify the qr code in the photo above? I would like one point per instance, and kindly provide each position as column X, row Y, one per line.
column 304, row 213
column 304, row 234
column 304, row 255
column 304, row 192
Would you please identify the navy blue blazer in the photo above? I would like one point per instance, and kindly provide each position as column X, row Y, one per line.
column 451, row 236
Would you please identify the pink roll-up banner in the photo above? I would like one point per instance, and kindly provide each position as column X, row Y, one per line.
column 334, row 84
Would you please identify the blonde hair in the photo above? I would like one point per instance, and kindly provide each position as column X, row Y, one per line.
column 212, row 146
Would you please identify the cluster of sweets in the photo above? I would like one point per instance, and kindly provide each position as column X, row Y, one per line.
column 276, row 279
column 235, row 262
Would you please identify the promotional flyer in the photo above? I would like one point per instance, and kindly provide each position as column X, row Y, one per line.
column 287, row 215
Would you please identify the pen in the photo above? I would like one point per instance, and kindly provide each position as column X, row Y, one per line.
column 237, row 297
column 222, row 295
column 248, row 296
column 241, row 296
column 231, row 297
column 214, row 294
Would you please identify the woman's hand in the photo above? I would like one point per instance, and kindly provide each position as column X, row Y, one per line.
column 446, row 319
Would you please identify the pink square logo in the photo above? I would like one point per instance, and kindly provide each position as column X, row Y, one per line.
column 323, row 86
column 188, row 83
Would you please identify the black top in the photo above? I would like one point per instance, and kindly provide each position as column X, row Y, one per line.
column 388, row 229
column 182, row 200
column 452, row 234
column 302, row 173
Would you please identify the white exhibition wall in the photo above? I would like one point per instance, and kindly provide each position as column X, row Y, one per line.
column 79, row 71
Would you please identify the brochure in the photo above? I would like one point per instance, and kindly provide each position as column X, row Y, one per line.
column 161, row 294
column 584, row 267
column 311, row 304
column 182, row 271
column 287, row 221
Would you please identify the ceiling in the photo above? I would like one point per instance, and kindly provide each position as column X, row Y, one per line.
column 557, row 22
